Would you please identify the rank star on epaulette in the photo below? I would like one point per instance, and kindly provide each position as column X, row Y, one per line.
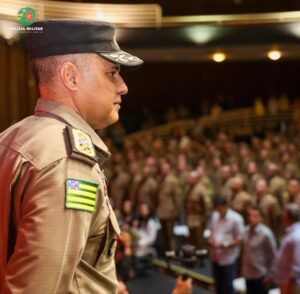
column 81, row 143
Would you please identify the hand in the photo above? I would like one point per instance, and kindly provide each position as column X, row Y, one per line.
column 122, row 288
column 267, row 281
column 225, row 244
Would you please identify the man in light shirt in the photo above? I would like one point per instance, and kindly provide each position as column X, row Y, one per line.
column 259, row 249
column 227, row 229
column 287, row 263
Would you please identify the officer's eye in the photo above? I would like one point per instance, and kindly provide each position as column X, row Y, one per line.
column 113, row 71
column 112, row 74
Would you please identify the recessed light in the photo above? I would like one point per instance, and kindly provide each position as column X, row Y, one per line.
column 219, row 57
column 274, row 54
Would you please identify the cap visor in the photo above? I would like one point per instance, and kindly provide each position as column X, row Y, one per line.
column 123, row 58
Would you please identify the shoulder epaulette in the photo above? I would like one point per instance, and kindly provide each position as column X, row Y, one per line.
column 81, row 145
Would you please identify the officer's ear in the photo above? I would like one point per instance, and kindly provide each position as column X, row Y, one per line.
column 69, row 75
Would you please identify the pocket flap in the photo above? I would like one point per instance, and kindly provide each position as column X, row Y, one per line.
column 114, row 223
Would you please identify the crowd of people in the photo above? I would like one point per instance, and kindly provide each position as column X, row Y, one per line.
column 184, row 178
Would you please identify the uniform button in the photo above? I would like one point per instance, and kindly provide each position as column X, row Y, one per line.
column 112, row 247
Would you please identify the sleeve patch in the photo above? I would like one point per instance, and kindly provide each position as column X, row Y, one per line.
column 81, row 195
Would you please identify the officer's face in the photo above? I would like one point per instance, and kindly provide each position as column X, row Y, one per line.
column 101, row 89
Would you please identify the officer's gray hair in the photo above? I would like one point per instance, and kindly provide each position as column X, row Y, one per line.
column 46, row 69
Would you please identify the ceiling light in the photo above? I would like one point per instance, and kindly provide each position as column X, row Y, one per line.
column 219, row 57
column 274, row 54
column 200, row 34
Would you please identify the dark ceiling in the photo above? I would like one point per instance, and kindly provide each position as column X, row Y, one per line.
column 195, row 7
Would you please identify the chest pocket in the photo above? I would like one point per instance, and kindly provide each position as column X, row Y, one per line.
column 106, row 255
column 101, row 276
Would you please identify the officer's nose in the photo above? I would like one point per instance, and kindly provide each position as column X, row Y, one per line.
column 121, row 86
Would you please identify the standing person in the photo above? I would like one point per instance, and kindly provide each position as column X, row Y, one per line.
column 196, row 209
column 287, row 262
column 259, row 249
column 58, row 230
column 168, row 204
column 269, row 207
column 227, row 229
column 240, row 199
column 147, row 188
column 277, row 184
column 293, row 191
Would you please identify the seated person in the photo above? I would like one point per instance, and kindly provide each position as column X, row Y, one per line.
column 145, row 229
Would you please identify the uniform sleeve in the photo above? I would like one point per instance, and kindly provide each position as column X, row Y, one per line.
column 50, row 237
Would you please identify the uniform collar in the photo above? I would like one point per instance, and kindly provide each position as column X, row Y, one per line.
column 50, row 108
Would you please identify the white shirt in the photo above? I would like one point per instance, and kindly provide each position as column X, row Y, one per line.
column 259, row 249
column 226, row 229
column 287, row 263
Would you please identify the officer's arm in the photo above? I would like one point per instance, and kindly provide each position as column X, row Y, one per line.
column 50, row 237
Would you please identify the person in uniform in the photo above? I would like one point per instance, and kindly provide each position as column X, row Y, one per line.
column 270, row 208
column 147, row 188
column 276, row 182
column 240, row 199
column 58, row 231
column 196, row 210
column 168, row 204
column 293, row 191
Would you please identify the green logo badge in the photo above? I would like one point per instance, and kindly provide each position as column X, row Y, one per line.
column 26, row 16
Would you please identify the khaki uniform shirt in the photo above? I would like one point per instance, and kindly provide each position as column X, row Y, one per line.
column 277, row 188
column 272, row 213
column 240, row 202
column 147, row 191
column 57, row 227
column 169, row 198
column 119, row 187
column 196, row 206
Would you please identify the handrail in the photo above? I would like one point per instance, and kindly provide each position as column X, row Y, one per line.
column 234, row 19
column 232, row 121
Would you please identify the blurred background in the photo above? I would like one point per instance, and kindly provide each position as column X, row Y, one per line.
column 217, row 102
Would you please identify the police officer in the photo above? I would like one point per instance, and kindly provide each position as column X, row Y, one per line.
column 58, row 231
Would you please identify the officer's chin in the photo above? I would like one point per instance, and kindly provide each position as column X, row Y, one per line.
column 114, row 118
